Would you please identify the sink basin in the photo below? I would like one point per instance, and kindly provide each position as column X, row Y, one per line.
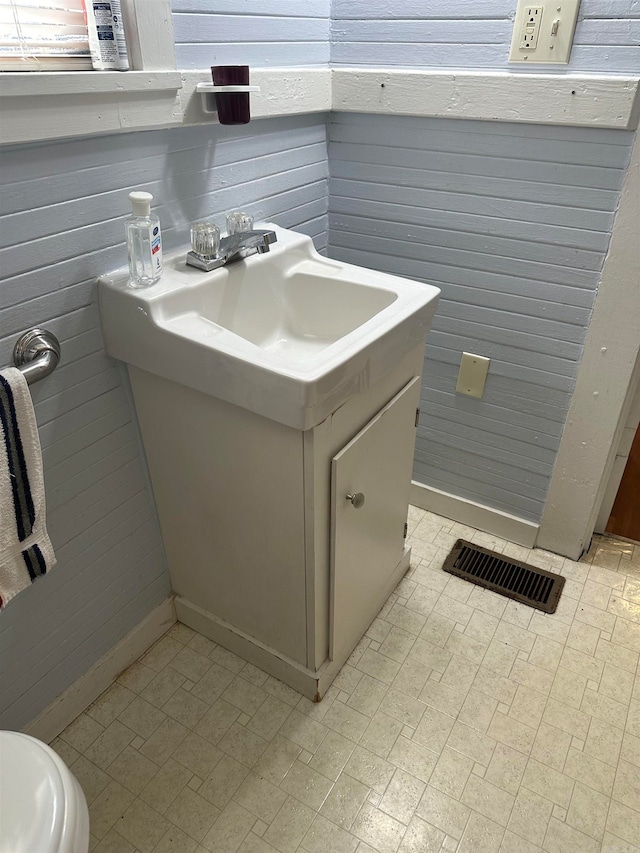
column 297, row 312
column 288, row 334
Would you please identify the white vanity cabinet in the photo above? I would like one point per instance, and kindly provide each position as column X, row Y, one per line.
column 267, row 391
column 369, row 498
column 267, row 555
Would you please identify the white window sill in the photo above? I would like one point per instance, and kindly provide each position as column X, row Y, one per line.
column 51, row 105
column 32, row 83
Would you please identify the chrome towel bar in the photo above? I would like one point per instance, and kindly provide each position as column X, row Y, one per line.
column 36, row 354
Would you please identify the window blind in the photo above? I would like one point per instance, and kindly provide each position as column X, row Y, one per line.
column 43, row 35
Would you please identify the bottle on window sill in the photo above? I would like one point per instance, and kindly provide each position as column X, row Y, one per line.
column 107, row 42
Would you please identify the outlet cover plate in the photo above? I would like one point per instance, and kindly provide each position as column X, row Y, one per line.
column 472, row 375
column 553, row 28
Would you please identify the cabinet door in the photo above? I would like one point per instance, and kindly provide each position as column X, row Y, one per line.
column 367, row 542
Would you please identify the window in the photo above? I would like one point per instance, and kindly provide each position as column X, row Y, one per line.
column 43, row 35
column 50, row 36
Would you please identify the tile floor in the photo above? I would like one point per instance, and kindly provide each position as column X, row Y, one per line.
column 462, row 722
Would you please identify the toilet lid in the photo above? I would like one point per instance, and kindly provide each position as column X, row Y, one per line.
column 32, row 796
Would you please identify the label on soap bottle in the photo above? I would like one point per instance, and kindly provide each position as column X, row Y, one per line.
column 156, row 248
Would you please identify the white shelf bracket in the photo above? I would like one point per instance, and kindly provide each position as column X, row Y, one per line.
column 208, row 91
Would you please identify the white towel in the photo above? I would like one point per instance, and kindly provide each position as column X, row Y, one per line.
column 25, row 549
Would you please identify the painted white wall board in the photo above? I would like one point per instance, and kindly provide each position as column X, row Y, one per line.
column 150, row 36
column 597, row 412
column 81, row 105
column 59, row 83
column 499, row 96
column 283, row 91
column 85, row 103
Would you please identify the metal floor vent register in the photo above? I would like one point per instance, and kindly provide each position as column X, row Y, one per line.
column 528, row 584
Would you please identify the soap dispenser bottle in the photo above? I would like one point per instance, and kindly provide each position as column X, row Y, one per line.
column 144, row 241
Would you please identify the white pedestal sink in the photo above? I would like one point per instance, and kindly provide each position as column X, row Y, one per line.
column 267, row 391
column 289, row 335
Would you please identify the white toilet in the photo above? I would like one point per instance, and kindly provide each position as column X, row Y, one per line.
column 42, row 806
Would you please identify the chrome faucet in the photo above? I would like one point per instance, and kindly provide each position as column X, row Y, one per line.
column 233, row 248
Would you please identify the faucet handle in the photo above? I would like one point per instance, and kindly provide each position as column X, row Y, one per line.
column 205, row 239
column 237, row 222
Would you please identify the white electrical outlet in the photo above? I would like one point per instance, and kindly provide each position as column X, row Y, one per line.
column 544, row 33
column 531, row 27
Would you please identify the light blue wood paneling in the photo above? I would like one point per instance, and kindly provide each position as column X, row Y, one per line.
column 416, row 33
column 460, row 34
column 62, row 224
column 246, row 32
column 512, row 222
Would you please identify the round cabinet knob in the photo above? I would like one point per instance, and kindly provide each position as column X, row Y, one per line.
column 357, row 500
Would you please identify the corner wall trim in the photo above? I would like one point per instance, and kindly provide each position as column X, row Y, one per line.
column 603, row 389
column 501, row 524
column 89, row 686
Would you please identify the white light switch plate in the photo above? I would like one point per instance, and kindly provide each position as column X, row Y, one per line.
column 472, row 375
column 543, row 32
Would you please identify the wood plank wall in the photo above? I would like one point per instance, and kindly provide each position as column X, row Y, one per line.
column 513, row 223
column 461, row 34
column 62, row 224
column 472, row 207
column 251, row 32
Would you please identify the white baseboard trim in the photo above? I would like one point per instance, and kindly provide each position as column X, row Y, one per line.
column 284, row 669
column 311, row 684
column 484, row 518
column 57, row 716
